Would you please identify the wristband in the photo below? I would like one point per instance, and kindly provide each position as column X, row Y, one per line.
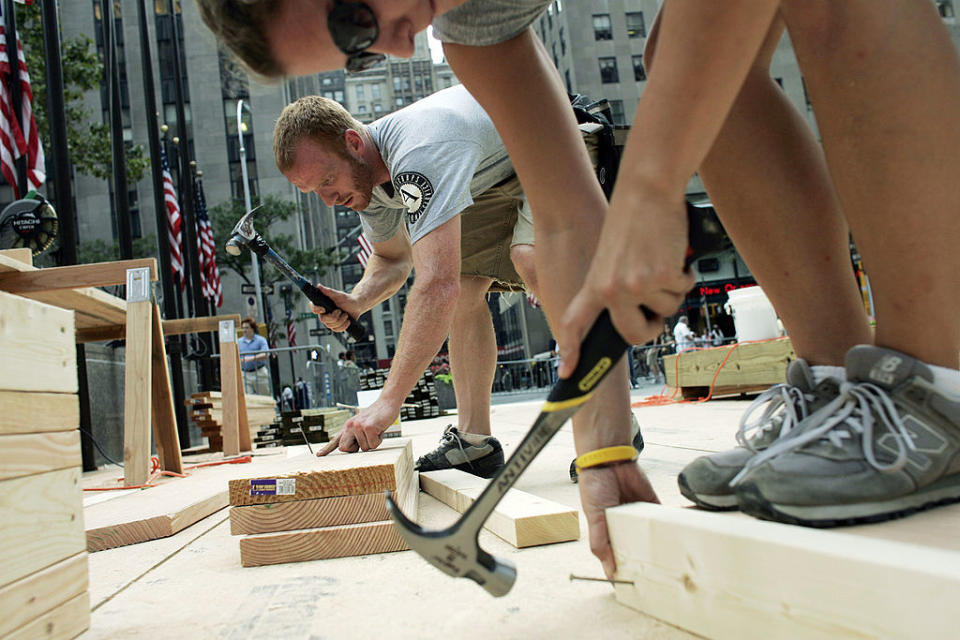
column 607, row 455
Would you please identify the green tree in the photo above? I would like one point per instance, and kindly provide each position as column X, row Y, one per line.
column 88, row 141
column 224, row 217
column 102, row 251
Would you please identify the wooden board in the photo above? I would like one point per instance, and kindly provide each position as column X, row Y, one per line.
column 27, row 454
column 26, row 412
column 748, row 364
column 101, row 274
column 331, row 542
column 338, row 474
column 522, row 519
column 42, row 522
column 137, row 392
column 229, row 380
column 68, row 620
column 38, row 349
column 30, row 597
column 307, row 514
column 93, row 307
column 165, row 433
column 730, row 576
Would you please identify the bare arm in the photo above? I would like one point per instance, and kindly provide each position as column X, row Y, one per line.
column 703, row 55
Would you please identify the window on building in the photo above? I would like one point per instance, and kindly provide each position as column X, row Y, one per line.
column 398, row 101
column 608, row 70
column 375, row 91
column 616, row 110
column 563, row 43
column 639, row 73
column 362, row 108
column 945, row 7
column 566, row 77
column 338, row 96
column 377, row 107
column 396, row 83
column 328, row 94
column 327, row 81
column 359, row 92
column 559, row 5
column 636, row 28
column 602, row 30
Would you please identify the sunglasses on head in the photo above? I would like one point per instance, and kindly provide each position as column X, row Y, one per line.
column 354, row 28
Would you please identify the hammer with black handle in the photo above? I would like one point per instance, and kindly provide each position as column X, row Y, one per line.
column 456, row 550
column 244, row 235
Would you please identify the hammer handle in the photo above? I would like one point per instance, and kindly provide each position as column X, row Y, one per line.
column 321, row 299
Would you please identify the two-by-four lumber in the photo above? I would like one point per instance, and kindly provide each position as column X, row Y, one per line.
column 165, row 433
column 34, row 412
column 27, row 454
column 174, row 327
column 41, row 522
column 32, row 596
column 338, row 474
column 307, row 514
column 337, row 541
column 100, row 274
column 229, row 382
column 729, row 576
column 68, row 620
column 744, row 364
column 522, row 519
column 38, row 349
column 137, row 392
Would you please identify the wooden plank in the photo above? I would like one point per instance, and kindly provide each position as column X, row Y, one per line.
column 338, row 474
column 164, row 419
column 38, row 349
column 308, row 514
column 23, row 254
column 34, row 412
column 42, row 522
column 93, row 306
column 331, row 542
column 136, row 394
column 736, row 577
column 30, row 597
column 170, row 328
column 27, row 454
column 161, row 511
column 748, row 364
column 229, row 372
column 244, row 414
column 11, row 260
column 99, row 274
column 522, row 519
column 68, row 620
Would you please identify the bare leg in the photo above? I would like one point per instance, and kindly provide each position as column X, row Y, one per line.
column 522, row 257
column 473, row 355
column 884, row 80
column 768, row 179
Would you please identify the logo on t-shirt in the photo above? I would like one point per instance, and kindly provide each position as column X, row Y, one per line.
column 415, row 191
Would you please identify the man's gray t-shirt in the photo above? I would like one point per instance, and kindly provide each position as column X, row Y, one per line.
column 487, row 22
column 441, row 151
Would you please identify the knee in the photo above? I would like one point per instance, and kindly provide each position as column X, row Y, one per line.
column 522, row 257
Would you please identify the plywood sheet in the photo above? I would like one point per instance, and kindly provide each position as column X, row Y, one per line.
column 338, row 474
column 736, row 577
column 522, row 519
column 42, row 522
column 39, row 353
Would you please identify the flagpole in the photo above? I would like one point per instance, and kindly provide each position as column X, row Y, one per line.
column 118, row 154
column 16, row 95
column 160, row 208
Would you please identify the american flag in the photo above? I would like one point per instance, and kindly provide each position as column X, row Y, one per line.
column 17, row 139
column 207, row 251
column 174, row 221
column 366, row 250
column 291, row 329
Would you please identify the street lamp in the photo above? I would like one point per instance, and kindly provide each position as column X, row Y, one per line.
column 241, row 128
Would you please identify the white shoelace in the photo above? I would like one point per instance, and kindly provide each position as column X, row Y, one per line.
column 851, row 412
column 794, row 403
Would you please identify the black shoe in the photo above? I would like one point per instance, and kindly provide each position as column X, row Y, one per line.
column 637, row 444
column 483, row 460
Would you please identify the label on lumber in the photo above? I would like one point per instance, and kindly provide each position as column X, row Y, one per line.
column 273, row 487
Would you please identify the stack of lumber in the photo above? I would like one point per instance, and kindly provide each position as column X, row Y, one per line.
column 317, row 425
column 43, row 565
column 422, row 402
column 742, row 367
column 319, row 508
column 522, row 519
column 206, row 411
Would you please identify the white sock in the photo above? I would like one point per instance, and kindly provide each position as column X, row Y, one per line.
column 947, row 380
column 821, row 372
column 475, row 439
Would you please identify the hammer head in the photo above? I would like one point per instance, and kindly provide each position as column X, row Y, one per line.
column 455, row 552
column 242, row 233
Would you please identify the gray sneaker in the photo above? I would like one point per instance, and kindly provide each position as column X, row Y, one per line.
column 887, row 446
column 454, row 452
column 706, row 480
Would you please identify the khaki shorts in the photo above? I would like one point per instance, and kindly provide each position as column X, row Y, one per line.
column 499, row 219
